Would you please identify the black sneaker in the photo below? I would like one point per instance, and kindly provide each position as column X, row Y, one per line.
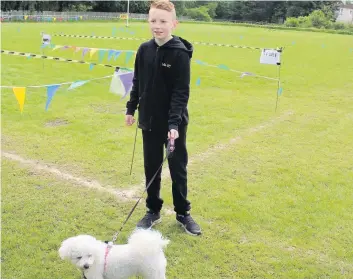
column 190, row 226
column 149, row 220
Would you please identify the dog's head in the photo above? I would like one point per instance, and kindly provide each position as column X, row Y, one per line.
column 81, row 250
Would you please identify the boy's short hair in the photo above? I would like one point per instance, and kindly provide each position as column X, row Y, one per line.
column 163, row 5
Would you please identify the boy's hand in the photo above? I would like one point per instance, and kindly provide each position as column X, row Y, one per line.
column 129, row 120
column 173, row 134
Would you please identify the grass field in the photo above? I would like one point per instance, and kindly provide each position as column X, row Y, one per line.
column 272, row 190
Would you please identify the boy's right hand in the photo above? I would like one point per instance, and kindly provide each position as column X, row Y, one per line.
column 129, row 120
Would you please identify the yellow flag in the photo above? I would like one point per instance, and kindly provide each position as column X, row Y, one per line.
column 93, row 51
column 20, row 93
column 26, row 16
column 54, row 18
column 80, row 17
column 56, row 47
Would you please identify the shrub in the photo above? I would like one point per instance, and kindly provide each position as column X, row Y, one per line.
column 291, row 22
column 318, row 19
column 199, row 14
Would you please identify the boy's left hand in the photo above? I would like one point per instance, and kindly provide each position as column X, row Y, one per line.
column 173, row 134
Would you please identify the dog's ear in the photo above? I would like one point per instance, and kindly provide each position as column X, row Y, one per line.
column 65, row 249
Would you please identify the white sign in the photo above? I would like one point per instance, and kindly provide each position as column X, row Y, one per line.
column 270, row 56
column 46, row 39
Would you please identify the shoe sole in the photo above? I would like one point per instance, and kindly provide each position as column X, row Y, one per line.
column 188, row 232
column 154, row 223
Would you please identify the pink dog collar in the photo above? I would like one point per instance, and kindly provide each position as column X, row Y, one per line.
column 107, row 249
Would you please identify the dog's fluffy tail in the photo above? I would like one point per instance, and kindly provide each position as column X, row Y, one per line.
column 149, row 241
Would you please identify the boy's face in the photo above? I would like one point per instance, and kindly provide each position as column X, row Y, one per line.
column 162, row 23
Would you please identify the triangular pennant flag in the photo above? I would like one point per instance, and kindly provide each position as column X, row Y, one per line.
column 56, row 47
column 224, row 67
column 92, row 51
column 20, row 94
column 126, row 80
column 101, row 55
column 199, row 62
column 51, row 89
column 114, row 31
column 91, row 66
column 128, row 56
column 26, row 16
column 54, row 18
column 198, row 81
column 77, row 84
column 110, row 54
column 116, row 55
column 280, row 90
column 116, row 85
column 246, row 74
column 84, row 52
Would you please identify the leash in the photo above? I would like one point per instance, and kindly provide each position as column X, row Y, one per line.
column 169, row 153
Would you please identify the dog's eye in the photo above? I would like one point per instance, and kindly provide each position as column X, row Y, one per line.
column 79, row 258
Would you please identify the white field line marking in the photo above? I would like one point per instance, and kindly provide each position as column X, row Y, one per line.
column 223, row 146
column 92, row 184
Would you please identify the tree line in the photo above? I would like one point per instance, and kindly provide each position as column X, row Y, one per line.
column 251, row 11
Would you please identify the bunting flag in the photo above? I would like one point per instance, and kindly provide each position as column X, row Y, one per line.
column 56, row 47
column 129, row 54
column 110, row 54
column 51, row 89
column 77, row 84
column 246, row 74
column 121, row 83
column 101, row 54
column 84, row 52
column 92, row 51
column 123, row 87
column 20, row 94
column 224, row 67
column 116, row 55
column 280, row 90
column 198, row 81
column 30, row 55
column 242, row 73
column 114, row 31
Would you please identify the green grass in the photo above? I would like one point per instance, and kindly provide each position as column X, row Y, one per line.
column 277, row 203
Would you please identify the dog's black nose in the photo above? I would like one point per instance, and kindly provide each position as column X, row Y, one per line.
column 86, row 266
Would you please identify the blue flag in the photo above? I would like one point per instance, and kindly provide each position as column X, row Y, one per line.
column 51, row 89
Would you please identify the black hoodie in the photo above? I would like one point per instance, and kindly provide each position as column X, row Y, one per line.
column 161, row 84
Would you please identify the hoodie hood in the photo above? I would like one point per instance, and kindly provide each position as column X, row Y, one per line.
column 180, row 43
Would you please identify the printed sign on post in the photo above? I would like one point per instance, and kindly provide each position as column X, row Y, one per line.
column 46, row 39
column 270, row 56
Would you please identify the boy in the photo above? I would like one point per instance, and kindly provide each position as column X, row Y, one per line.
column 161, row 93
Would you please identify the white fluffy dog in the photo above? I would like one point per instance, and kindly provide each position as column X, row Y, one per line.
column 142, row 256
